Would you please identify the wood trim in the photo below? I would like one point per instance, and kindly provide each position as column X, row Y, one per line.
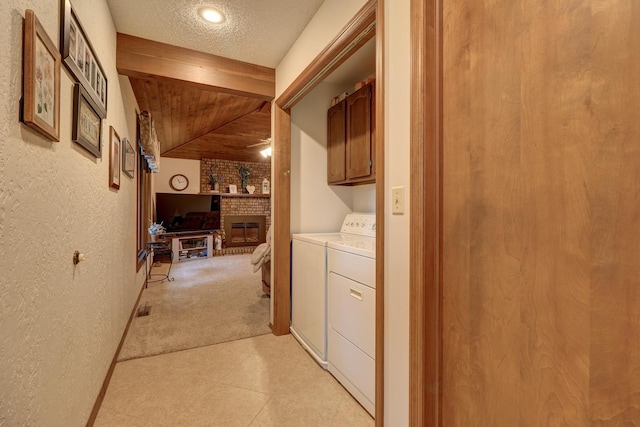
column 147, row 59
column 379, row 101
column 356, row 33
column 281, row 176
column 425, row 368
column 107, row 378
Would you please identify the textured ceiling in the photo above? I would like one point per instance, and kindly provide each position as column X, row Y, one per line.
column 258, row 32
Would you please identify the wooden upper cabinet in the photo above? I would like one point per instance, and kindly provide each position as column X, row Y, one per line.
column 359, row 133
column 350, row 160
column 336, row 143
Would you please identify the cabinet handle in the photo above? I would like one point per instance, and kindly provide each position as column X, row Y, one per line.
column 355, row 293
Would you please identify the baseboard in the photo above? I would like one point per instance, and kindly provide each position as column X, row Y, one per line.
column 107, row 379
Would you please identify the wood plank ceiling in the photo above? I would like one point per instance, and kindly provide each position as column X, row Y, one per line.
column 196, row 120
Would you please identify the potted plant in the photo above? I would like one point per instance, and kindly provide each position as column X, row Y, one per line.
column 245, row 172
column 215, row 180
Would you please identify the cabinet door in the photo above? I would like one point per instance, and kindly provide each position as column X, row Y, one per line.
column 359, row 133
column 336, row 141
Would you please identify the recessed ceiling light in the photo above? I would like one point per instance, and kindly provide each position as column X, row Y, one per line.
column 212, row 15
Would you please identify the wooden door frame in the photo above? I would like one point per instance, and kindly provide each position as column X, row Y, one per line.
column 369, row 21
column 426, row 281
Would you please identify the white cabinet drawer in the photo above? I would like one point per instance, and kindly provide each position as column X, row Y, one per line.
column 352, row 312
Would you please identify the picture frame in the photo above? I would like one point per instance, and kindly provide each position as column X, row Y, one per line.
column 80, row 58
column 128, row 158
column 87, row 123
column 233, row 189
column 114, row 158
column 41, row 79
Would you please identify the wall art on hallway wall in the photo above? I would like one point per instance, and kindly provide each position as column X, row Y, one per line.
column 41, row 79
column 87, row 124
column 114, row 158
column 80, row 58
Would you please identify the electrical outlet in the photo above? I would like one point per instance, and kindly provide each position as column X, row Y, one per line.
column 397, row 200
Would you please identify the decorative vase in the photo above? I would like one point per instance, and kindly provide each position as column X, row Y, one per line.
column 244, row 185
column 216, row 186
column 153, row 237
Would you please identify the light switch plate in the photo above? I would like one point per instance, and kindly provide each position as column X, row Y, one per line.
column 397, row 200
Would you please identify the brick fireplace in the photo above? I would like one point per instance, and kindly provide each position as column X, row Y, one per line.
column 244, row 205
column 244, row 230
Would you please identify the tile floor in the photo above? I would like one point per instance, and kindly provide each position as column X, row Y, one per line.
column 259, row 381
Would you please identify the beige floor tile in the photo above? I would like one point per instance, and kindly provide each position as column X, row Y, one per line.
column 288, row 379
column 351, row 414
column 292, row 412
column 270, row 347
column 223, row 406
column 155, row 387
column 264, row 380
column 112, row 418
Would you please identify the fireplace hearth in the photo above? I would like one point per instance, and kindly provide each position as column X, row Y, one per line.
column 244, row 230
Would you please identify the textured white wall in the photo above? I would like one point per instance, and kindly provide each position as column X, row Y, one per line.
column 59, row 324
column 315, row 206
column 170, row 167
column 364, row 198
column 325, row 25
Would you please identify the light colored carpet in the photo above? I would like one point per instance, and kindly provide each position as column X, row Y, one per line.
column 211, row 300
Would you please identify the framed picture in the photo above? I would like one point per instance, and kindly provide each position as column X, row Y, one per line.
column 233, row 189
column 114, row 158
column 80, row 58
column 87, row 124
column 41, row 74
column 128, row 158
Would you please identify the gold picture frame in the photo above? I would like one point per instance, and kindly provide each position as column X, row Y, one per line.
column 41, row 79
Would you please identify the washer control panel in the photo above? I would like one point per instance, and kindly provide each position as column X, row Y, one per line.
column 360, row 224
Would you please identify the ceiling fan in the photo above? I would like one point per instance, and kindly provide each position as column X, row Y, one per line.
column 265, row 152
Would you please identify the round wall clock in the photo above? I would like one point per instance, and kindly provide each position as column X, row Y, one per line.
column 179, row 182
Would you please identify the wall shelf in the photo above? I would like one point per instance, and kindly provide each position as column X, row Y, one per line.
column 241, row 195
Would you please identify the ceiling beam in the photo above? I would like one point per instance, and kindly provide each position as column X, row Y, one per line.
column 147, row 59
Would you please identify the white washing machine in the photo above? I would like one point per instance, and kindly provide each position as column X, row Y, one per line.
column 352, row 315
column 309, row 283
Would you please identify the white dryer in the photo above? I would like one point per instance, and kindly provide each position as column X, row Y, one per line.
column 352, row 315
column 309, row 284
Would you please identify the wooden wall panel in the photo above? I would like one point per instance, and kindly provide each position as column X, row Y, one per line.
column 184, row 113
column 613, row 181
column 541, row 205
column 235, row 140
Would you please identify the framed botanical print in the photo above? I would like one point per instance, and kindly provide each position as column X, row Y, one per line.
column 80, row 58
column 128, row 158
column 114, row 158
column 87, row 123
column 41, row 79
